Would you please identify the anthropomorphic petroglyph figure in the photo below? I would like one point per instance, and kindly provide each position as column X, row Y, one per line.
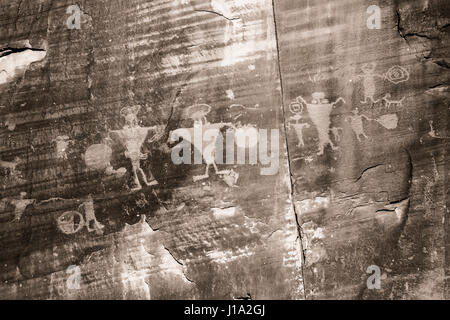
column 62, row 144
column 10, row 165
column 132, row 137
column 298, row 127
column 20, row 205
column 320, row 112
column 433, row 133
column 369, row 82
column 337, row 133
column 356, row 122
column 91, row 221
column 198, row 114
column 395, row 75
column 10, row 122
column 11, row 173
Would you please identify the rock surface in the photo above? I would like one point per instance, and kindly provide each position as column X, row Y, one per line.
column 97, row 96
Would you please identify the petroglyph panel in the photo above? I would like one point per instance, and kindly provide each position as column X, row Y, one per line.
column 91, row 95
column 223, row 149
column 358, row 200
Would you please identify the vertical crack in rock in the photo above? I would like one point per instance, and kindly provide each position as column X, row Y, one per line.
column 399, row 21
column 17, row 14
column 292, row 183
column 174, row 102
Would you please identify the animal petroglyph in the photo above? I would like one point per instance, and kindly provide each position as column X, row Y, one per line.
column 71, row 222
column 395, row 75
column 392, row 103
column 319, row 111
column 132, row 137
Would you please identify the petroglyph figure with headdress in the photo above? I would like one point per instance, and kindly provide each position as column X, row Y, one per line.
column 132, row 136
column 319, row 111
column 204, row 131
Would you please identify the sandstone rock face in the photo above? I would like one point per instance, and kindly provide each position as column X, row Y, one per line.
column 369, row 172
column 235, row 149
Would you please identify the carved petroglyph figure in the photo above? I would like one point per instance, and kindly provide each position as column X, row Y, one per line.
column 10, row 165
column 132, row 137
column 71, row 222
column 198, row 114
column 12, row 174
column 10, row 122
column 433, row 133
column 369, row 82
column 98, row 157
column 319, row 111
column 356, row 122
column 395, row 75
column 91, row 221
column 337, row 133
column 392, row 103
column 19, row 204
column 62, row 144
column 389, row 121
column 298, row 127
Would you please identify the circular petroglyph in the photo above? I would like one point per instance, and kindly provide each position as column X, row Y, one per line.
column 98, row 157
column 397, row 74
column 70, row 222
